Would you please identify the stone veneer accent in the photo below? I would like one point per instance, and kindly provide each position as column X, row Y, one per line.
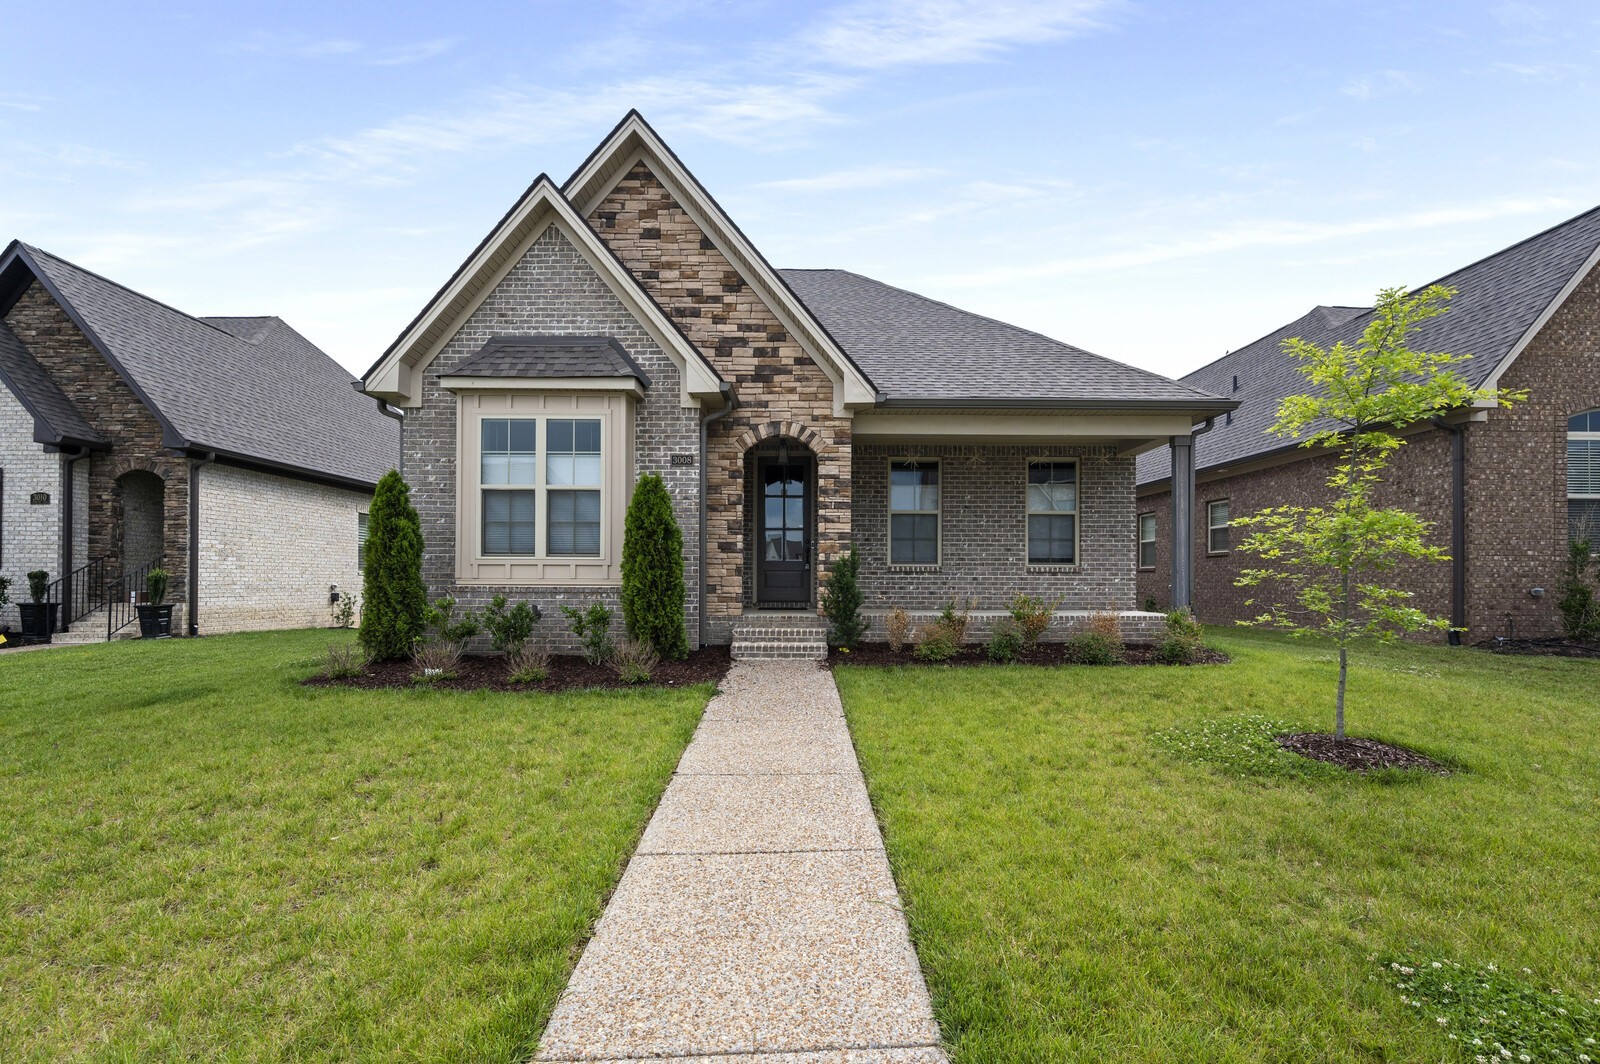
column 270, row 546
column 551, row 290
column 1516, row 496
column 780, row 390
column 134, row 433
column 30, row 536
column 983, row 530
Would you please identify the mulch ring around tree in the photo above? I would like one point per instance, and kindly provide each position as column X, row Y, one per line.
column 1358, row 755
column 1048, row 654
column 1559, row 648
column 567, row 673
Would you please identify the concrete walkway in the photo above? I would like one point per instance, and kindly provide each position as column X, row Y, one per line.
column 758, row 922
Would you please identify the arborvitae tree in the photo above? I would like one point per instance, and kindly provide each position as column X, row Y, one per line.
column 394, row 602
column 841, row 601
column 652, row 570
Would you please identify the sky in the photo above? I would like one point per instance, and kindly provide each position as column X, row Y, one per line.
column 1158, row 181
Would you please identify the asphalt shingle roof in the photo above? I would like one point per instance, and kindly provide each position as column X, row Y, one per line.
column 550, row 356
column 250, row 387
column 1499, row 298
column 19, row 371
column 916, row 348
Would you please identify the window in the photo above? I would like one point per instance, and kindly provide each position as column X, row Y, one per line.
column 1147, row 541
column 1053, row 513
column 1583, row 477
column 1217, row 527
column 362, row 525
column 572, row 462
column 509, row 479
column 914, row 513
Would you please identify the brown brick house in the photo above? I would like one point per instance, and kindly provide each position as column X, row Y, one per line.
column 231, row 452
column 632, row 327
column 1505, row 489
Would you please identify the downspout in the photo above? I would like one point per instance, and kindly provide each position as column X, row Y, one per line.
column 399, row 415
column 729, row 401
column 1182, row 497
column 1458, row 527
column 194, row 540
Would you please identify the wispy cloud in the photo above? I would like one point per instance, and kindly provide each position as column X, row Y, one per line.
column 18, row 101
column 856, row 178
column 279, row 46
column 908, row 32
column 1382, row 83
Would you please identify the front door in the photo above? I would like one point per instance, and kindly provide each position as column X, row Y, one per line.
column 783, row 540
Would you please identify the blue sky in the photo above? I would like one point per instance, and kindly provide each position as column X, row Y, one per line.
column 1157, row 181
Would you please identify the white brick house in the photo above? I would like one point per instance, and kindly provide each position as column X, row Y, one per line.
column 229, row 451
column 620, row 323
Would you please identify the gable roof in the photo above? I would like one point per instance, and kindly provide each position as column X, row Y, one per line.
column 551, row 356
column 920, row 350
column 274, row 399
column 633, row 139
column 396, row 376
column 1502, row 301
column 56, row 421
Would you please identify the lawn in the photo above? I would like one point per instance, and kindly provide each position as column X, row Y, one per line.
column 202, row 859
column 1077, row 891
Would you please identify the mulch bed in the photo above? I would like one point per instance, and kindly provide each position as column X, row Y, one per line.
column 1357, row 755
column 567, row 673
column 973, row 654
column 1561, row 648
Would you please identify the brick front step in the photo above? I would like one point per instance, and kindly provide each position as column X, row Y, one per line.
column 758, row 637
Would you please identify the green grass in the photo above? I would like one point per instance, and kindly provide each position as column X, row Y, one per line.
column 201, row 859
column 1077, row 890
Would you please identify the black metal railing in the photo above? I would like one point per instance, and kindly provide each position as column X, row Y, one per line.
column 123, row 596
column 80, row 592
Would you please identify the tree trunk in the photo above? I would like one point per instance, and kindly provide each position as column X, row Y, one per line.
column 1338, row 709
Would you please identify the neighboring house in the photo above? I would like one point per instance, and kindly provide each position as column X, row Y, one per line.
column 131, row 434
column 621, row 323
column 1505, row 489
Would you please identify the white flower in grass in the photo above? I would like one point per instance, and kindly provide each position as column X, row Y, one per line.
column 1523, row 1056
column 1436, row 964
column 1442, row 1021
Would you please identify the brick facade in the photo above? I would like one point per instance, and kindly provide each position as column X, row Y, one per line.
column 30, row 534
column 983, row 530
column 1516, row 502
column 551, row 290
column 780, row 390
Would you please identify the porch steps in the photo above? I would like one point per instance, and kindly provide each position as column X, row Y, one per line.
column 91, row 629
column 788, row 636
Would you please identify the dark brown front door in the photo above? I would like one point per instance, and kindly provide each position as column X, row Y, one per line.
column 783, row 534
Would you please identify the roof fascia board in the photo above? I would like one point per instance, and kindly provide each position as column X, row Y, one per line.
column 394, row 377
column 259, row 465
column 1544, row 318
column 1195, row 407
column 598, row 175
column 1158, row 428
column 170, row 436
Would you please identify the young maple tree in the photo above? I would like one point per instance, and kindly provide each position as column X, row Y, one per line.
column 1328, row 571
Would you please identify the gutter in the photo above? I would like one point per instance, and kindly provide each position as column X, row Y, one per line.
column 1200, row 404
column 194, row 540
column 1458, row 527
column 389, row 410
column 729, row 401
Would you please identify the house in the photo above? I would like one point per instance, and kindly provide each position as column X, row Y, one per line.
column 1505, row 488
column 620, row 323
column 229, row 451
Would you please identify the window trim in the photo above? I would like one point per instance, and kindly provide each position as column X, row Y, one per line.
column 1211, row 504
column 1591, row 434
column 1155, row 537
column 1077, row 515
column 938, row 515
column 363, row 533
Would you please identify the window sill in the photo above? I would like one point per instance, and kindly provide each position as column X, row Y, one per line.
column 914, row 568
column 1147, row 568
column 1039, row 568
column 1218, row 553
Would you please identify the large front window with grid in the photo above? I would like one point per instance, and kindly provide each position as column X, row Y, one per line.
column 1583, row 477
column 1052, row 513
column 540, row 480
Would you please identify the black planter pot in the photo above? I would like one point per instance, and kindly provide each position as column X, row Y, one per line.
column 155, row 622
column 38, row 620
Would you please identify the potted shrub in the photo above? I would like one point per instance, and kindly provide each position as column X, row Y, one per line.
column 38, row 616
column 155, row 614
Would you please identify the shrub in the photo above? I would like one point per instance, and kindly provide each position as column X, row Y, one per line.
column 592, row 626
column 1100, row 643
column 1150, row 605
column 652, row 570
column 5, row 592
column 155, row 586
column 528, row 665
column 936, row 643
column 345, row 661
column 396, row 602
column 1032, row 617
column 437, row 659
column 1006, row 641
column 509, row 629
column 897, row 628
column 634, row 661
column 955, row 616
column 1580, row 608
column 841, row 601
column 38, row 584
column 344, row 611
column 1183, row 640
column 440, row 619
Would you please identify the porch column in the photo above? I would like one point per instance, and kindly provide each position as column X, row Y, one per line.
column 1182, row 522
